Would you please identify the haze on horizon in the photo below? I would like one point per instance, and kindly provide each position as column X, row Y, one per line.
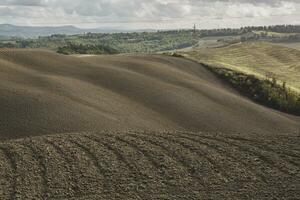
column 154, row 14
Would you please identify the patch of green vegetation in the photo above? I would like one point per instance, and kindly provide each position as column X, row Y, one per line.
column 264, row 91
column 152, row 42
column 86, row 49
column 144, row 42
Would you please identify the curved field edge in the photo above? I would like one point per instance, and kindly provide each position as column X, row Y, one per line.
column 267, row 91
column 150, row 165
column 255, row 58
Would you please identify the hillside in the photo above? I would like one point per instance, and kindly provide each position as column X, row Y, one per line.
column 9, row 30
column 256, row 58
column 31, row 31
column 119, row 127
column 45, row 93
column 132, row 42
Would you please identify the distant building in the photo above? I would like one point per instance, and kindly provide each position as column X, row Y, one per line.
column 194, row 30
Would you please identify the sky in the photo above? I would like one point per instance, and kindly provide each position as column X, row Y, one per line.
column 149, row 14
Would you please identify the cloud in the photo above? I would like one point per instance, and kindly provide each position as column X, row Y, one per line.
column 146, row 13
column 22, row 2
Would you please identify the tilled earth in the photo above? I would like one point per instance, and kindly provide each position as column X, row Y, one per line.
column 150, row 165
column 77, row 99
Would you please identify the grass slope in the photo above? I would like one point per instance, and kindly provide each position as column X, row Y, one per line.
column 257, row 59
column 150, row 165
column 293, row 45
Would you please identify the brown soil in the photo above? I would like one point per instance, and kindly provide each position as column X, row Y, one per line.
column 46, row 93
column 45, row 97
column 150, row 165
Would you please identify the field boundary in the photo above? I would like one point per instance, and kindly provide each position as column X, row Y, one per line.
column 266, row 91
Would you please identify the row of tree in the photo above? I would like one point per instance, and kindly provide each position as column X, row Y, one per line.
column 243, row 30
column 86, row 49
column 270, row 38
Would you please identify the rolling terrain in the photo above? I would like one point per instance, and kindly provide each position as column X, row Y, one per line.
column 255, row 58
column 293, row 45
column 47, row 93
column 137, row 127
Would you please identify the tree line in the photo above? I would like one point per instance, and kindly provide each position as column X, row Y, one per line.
column 248, row 29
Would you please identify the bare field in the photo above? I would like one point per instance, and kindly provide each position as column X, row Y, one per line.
column 150, row 165
column 47, row 93
column 93, row 128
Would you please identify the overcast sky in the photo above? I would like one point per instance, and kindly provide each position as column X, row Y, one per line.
column 156, row 14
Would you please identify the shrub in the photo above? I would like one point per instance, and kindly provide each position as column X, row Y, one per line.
column 267, row 91
column 86, row 49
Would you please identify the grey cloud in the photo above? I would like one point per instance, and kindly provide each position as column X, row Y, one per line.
column 22, row 2
column 172, row 11
column 268, row 2
column 156, row 9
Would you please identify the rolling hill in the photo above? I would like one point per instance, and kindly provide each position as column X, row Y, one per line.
column 31, row 31
column 136, row 127
column 9, row 30
column 256, row 58
column 44, row 93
